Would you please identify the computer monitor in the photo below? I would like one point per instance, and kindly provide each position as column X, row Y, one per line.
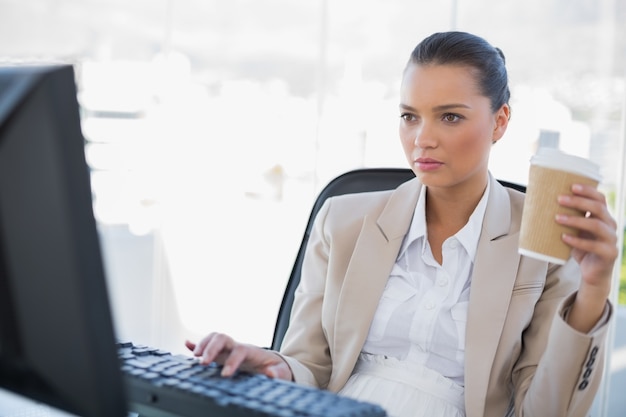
column 57, row 342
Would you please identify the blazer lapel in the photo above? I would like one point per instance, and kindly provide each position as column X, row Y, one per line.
column 495, row 272
column 375, row 252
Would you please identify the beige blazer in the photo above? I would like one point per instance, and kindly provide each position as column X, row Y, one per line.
column 520, row 353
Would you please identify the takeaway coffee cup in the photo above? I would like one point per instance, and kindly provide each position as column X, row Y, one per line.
column 552, row 173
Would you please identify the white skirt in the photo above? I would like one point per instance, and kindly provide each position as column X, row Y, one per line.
column 404, row 389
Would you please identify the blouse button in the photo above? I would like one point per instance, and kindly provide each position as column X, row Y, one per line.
column 442, row 282
column 429, row 305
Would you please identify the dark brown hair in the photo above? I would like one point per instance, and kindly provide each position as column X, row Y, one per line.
column 465, row 49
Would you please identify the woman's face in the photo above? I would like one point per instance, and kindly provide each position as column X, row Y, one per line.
column 447, row 127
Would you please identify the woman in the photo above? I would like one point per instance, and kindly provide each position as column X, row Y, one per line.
column 417, row 298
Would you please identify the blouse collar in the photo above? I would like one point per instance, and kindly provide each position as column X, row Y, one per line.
column 468, row 236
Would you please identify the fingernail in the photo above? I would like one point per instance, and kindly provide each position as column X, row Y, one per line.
column 560, row 217
column 226, row 370
column 577, row 187
column 564, row 198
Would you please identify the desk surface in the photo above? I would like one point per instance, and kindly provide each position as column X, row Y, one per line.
column 13, row 405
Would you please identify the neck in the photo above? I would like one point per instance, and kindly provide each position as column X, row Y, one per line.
column 447, row 211
column 451, row 208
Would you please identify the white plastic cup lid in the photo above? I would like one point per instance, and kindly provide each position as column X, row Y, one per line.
column 556, row 159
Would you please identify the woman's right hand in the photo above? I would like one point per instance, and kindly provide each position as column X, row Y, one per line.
column 223, row 349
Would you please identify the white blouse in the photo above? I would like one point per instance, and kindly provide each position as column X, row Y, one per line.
column 422, row 314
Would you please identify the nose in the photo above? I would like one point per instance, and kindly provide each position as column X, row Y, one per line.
column 424, row 136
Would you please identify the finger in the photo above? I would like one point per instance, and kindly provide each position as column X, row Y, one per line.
column 584, row 205
column 602, row 252
column 217, row 349
column 199, row 348
column 588, row 244
column 190, row 345
column 590, row 207
column 594, row 235
column 588, row 191
column 234, row 360
column 592, row 193
column 600, row 248
column 590, row 228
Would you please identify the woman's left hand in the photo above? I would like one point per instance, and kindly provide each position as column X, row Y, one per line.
column 595, row 246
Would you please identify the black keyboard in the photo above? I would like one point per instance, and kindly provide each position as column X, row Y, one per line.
column 161, row 384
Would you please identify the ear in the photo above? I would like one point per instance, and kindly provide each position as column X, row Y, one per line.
column 501, row 119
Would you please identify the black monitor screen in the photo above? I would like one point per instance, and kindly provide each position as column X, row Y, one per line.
column 57, row 342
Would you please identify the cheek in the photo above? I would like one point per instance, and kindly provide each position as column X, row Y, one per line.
column 473, row 140
column 406, row 138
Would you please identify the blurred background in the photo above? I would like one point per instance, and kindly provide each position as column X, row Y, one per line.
column 211, row 125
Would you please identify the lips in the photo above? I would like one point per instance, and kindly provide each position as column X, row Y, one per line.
column 427, row 164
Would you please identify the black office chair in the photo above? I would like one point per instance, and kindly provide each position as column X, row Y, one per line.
column 359, row 180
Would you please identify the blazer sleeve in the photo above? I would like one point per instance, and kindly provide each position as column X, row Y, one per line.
column 560, row 369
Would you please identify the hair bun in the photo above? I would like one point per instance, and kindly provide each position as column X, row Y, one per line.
column 501, row 54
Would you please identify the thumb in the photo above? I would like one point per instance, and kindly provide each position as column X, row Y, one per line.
column 271, row 371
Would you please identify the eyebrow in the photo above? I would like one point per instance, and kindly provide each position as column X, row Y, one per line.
column 442, row 107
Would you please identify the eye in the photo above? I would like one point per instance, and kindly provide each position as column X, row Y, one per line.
column 408, row 117
column 451, row 118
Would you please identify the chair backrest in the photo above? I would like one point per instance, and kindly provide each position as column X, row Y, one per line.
column 359, row 180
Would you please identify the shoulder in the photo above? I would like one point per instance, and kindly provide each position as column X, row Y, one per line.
column 387, row 207
column 512, row 189
column 374, row 203
column 517, row 202
column 504, row 209
column 339, row 212
column 363, row 202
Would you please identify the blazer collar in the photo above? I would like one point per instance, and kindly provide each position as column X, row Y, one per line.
column 395, row 219
column 497, row 221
